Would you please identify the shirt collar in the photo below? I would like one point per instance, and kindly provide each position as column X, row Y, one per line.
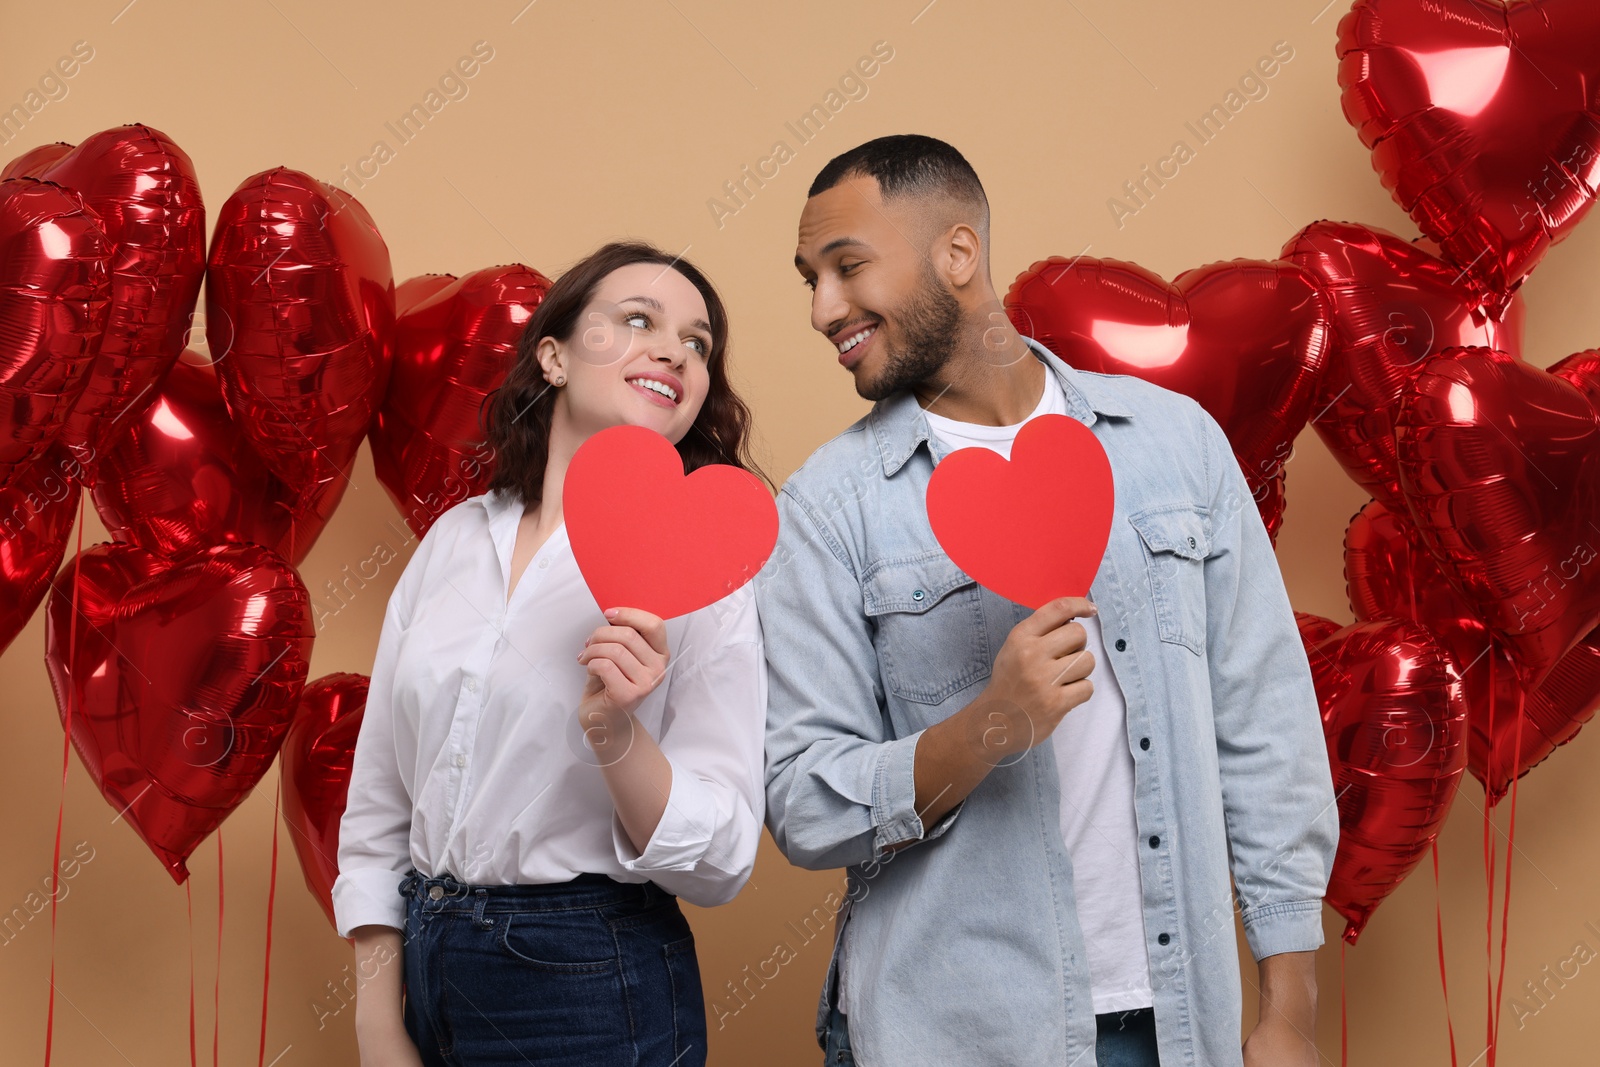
column 899, row 424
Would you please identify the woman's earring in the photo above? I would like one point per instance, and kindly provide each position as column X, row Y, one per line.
column 561, row 379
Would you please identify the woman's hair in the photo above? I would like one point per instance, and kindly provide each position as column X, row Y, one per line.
column 522, row 408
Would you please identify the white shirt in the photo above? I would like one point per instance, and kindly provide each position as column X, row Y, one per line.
column 470, row 759
column 1095, row 764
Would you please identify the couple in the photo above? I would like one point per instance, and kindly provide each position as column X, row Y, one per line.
column 1038, row 812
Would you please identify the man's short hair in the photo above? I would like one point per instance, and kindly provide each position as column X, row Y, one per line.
column 910, row 164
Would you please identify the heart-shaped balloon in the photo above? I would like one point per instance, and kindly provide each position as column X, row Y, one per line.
column 36, row 514
column 626, row 497
column 453, row 344
column 1483, row 120
column 1395, row 719
column 1245, row 338
column 34, row 160
column 184, row 477
column 299, row 320
column 1500, row 466
column 143, row 188
column 1394, row 304
column 317, row 756
column 54, row 291
column 1031, row 528
column 181, row 678
column 1390, row 574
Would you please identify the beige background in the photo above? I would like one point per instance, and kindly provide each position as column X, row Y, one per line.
column 595, row 120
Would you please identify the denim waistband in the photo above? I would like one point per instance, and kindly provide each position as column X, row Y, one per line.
column 587, row 890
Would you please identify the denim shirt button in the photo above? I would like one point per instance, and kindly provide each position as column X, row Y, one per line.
column 1164, row 938
column 917, row 594
column 1155, row 842
column 1121, row 645
column 1144, row 743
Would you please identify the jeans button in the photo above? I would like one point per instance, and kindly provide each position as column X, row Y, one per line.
column 436, row 892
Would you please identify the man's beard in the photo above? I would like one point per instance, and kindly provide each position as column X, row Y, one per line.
column 930, row 321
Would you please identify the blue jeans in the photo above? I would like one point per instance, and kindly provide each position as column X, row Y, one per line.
column 1124, row 1039
column 587, row 973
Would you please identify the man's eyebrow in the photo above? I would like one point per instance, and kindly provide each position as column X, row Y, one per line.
column 836, row 243
column 652, row 302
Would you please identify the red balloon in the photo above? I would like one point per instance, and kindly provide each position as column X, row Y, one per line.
column 1394, row 715
column 317, row 756
column 453, row 345
column 1500, row 465
column 1390, row 574
column 625, row 491
column 184, row 478
column 143, row 188
column 36, row 514
column 1394, row 304
column 55, row 285
column 299, row 318
column 34, row 160
column 1002, row 522
column 183, row 678
column 1244, row 338
column 1483, row 122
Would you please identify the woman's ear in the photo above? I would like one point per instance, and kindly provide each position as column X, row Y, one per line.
column 552, row 361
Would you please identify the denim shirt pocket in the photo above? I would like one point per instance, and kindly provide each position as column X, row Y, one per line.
column 1176, row 543
column 931, row 639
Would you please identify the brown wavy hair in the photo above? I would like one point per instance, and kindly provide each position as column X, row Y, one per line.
column 521, row 410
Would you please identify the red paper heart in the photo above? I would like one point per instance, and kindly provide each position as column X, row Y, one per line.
column 1390, row 574
column 1246, row 339
column 143, row 188
column 1483, row 120
column 1031, row 528
column 183, row 678
column 1395, row 304
column 1394, row 716
column 183, row 477
column 1500, row 465
column 317, row 756
column 646, row 536
column 299, row 321
column 454, row 341
column 54, row 292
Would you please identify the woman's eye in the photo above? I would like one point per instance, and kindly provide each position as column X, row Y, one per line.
column 699, row 345
column 636, row 315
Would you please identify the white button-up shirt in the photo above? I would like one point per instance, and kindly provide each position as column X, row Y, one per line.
column 471, row 760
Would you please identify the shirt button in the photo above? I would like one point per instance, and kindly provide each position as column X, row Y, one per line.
column 472, row 685
column 1121, row 645
column 1144, row 742
column 1155, row 842
column 1164, row 938
column 461, row 759
column 917, row 594
column 544, row 564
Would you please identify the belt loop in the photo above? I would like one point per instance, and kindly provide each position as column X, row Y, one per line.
column 482, row 898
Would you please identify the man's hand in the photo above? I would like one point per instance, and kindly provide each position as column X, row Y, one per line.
column 1040, row 674
column 1285, row 1035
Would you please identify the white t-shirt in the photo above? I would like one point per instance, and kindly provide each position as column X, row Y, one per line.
column 1096, row 769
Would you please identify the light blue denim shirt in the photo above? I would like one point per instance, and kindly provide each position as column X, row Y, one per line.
column 964, row 947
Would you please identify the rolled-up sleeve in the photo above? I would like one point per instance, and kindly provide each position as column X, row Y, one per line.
column 1277, row 789
column 375, row 829
column 840, row 790
column 704, row 847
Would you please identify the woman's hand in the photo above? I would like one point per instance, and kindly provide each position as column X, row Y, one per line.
column 627, row 660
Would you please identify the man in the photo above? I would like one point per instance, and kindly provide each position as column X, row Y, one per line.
column 1036, row 811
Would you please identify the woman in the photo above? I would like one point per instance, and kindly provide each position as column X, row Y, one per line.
column 536, row 783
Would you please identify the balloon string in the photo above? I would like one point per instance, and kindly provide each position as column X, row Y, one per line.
column 1344, row 1030
column 1488, row 871
column 272, row 891
column 66, row 762
column 1438, row 925
column 1511, row 840
column 188, row 892
column 216, row 985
